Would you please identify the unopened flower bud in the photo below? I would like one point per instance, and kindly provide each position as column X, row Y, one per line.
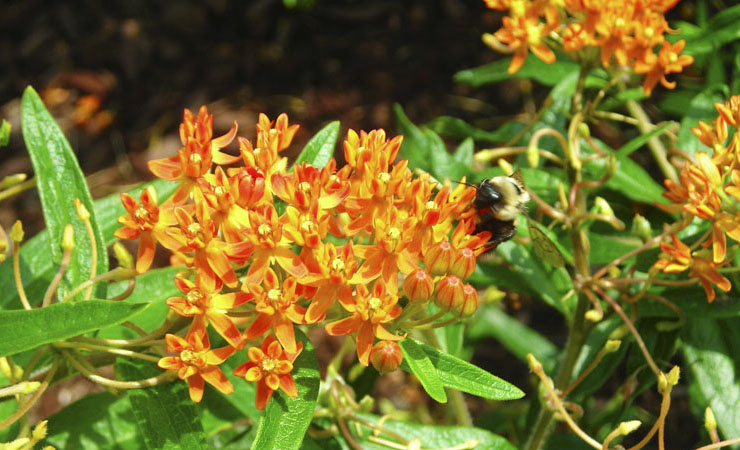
column 16, row 231
column 386, row 356
column 533, row 155
column 12, row 180
column 612, row 345
column 505, row 166
column 68, row 238
column 448, row 293
column 463, row 265
column 29, row 387
column 583, row 130
column 594, row 315
column 562, row 198
column 123, row 256
column 439, row 258
column 603, row 207
column 17, row 444
column 418, row 286
column 612, row 165
column 39, row 431
column 82, row 212
column 641, row 228
column 628, row 427
column 710, row 422
column 619, row 332
column 469, row 303
column 534, row 365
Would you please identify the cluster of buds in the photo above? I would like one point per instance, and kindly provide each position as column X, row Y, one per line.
column 625, row 31
column 708, row 189
column 341, row 246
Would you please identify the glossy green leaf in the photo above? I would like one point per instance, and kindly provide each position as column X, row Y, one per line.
column 37, row 269
column 710, row 349
column 605, row 248
column 464, row 153
column 720, row 30
column 109, row 422
column 418, row 363
column 415, row 147
column 519, row 339
column 428, row 436
column 461, row 375
column 4, row 133
column 59, row 181
column 320, row 148
column 165, row 416
column 286, row 419
column 628, row 148
column 533, row 68
column 22, row 330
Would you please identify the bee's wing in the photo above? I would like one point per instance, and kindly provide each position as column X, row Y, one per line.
column 544, row 247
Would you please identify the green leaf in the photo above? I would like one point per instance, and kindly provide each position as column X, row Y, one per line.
column 519, row 339
column 710, row 351
column 59, row 181
column 533, row 68
column 286, row 419
column 4, row 133
column 108, row 423
column 415, row 147
column 606, row 248
column 641, row 140
column 456, row 128
column 22, row 330
column 37, row 269
column 165, row 416
column 464, row 153
column 461, row 375
column 320, row 148
column 429, row 437
column 609, row 363
column 419, row 364
column 720, row 30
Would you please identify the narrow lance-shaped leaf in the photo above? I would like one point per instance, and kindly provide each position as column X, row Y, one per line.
column 59, row 181
column 165, row 415
column 417, row 361
column 22, row 330
column 286, row 419
column 319, row 150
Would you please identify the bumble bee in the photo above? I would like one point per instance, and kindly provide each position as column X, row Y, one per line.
column 500, row 200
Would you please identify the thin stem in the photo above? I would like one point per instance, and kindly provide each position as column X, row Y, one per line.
column 545, row 106
column 665, row 404
column 656, row 146
column 444, row 323
column 424, row 321
column 115, row 351
column 17, row 276
column 720, row 444
column 490, row 154
column 116, row 274
column 585, row 372
column 17, row 189
column 32, row 400
column 93, row 255
column 640, row 343
column 561, row 409
column 142, row 341
column 57, row 278
column 95, row 378
column 125, row 294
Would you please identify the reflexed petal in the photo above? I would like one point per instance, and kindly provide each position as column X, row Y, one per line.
column 241, row 370
column 262, row 395
column 196, row 384
column 145, row 255
column 343, row 327
column 167, row 168
column 262, row 323
column 232, row 300
column 175, row 343
column 170, row 363
column 290, row 262
column 365, row 338
column 217, row 379
column 219, row 355
column 286, row 335
column 225, row 327
column 288, row 385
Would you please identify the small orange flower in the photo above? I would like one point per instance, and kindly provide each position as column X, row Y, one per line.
column 198, row 153
column 656, row 67
column 277, row 309
column 524, row 31
column 196, row 362
column 369, row 313
column 147, row 222
column 269, row 366
column 330, row 273
column 203, row 300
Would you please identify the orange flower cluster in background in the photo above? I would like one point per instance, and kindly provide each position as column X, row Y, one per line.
column 708, row 189
column 627, row 32
column 361, row 248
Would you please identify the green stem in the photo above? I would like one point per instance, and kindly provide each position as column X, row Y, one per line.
column 656, row 147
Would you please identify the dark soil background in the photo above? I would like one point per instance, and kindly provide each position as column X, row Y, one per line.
column 347, row 60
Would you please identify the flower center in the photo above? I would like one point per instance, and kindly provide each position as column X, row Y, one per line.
column 275, row 295
column 194, row 296
column 337, row 265
column 142, row 215
column 219, row 190
column 307, row 226
column 195, row 158
column 374, row 303
column 268, row 364
column 191, row 358
column 194, row 229
column 304, row 186
column 264, row 230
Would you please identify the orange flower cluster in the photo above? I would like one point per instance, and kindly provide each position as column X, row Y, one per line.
column 273, row 247
column 625, row 31
column 708, row 189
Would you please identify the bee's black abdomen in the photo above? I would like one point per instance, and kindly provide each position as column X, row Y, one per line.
column 501, row 231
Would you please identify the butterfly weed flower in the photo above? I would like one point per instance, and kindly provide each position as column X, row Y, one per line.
column 269, row 366
column 196, row 362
